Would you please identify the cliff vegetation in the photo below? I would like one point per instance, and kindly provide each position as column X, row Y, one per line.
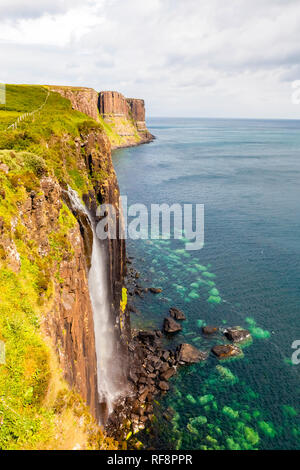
column 41, row 407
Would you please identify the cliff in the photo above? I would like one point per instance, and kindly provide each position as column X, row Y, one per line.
column 46, row 318
column 122, row 119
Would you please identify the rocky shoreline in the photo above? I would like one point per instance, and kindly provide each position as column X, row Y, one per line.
column 151, row 365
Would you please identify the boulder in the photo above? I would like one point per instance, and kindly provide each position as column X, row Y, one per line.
column 237, row 334
column 177, row 314
column 164, row 386
column 226, row 350
column 209, row 330
column 147, row 337
column 188, row 354
column 168, row 373
column 155, row 290
column 171, row 326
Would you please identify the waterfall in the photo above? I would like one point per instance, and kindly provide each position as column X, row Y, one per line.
column 109, row 371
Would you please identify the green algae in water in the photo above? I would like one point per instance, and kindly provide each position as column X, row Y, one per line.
column 226, row 375
column 233, row 414
column 201, row 323
column 209, row 275
column 194, row 295
column 198, row 421
column 205, row 399
column 200, row 267
column 191, row 429
column 214, row 299
column 259, row 333
column 251, row 435
column 267, row 428
column 289, row 411
column 232, row 445
column 191, row 270
column 214, row 292
column 197, row 339
column 211, row 440
column 256, row 331
column 191, row 399
column 195, row 285
column 250, row 321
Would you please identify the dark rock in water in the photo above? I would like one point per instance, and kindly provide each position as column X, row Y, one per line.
column 188, row 354
column 164, row 386
column 226, row 350
column 147, row 337
column 169, row 414
column 168, row 374
column 237, row 334
column 177, row 314
column 158, row 333
column 155, row 290
column 171, row 326
column 139, row 293
column 209, row 330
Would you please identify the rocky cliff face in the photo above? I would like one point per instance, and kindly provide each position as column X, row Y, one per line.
column 46, row 246
column 84, row 100
column 113, row 102
column 123, row 118
column 126, row 116
column 138, row 112
column 69, row 319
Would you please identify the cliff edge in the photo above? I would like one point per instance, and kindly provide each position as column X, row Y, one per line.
column 122, row 119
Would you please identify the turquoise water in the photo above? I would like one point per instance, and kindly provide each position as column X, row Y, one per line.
column 247, row 174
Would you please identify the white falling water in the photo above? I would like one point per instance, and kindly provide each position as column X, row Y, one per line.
column 108, row 366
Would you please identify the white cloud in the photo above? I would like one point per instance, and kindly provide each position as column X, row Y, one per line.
column 193, row 58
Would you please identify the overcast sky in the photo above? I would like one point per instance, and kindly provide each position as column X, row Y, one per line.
column 215, row 58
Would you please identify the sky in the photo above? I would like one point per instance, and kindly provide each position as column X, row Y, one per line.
column 188, row 58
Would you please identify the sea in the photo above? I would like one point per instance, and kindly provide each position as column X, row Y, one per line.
column 246, row 173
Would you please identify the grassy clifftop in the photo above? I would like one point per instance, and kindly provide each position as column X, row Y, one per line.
column 37, row 408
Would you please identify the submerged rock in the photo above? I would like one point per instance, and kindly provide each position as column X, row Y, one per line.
column 209, row 330
column 147, row 337
column 188, row 354
column 226, row 350
column 171, row 326
column 237, row 334
column 155, row 290
column 177, row 314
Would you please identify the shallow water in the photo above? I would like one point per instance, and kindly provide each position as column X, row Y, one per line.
column 247, row 174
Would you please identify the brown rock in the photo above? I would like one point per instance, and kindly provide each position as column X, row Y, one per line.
column 164, row 386
column 171, row 326
column 209, row 330
column 168, row 374
column 226, row 350
column 177, row 314
column 188, row 354
column 155, row 290
column 237, row 334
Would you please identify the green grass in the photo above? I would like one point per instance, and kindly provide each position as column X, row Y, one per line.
column 40, row 146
